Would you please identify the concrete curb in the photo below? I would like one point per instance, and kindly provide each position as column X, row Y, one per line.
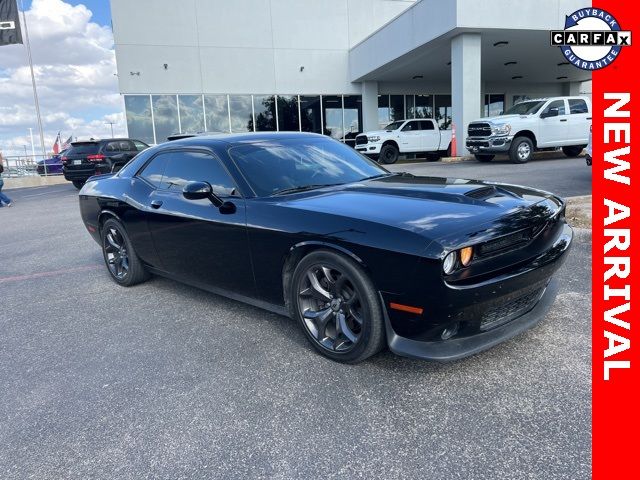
column 33, row 181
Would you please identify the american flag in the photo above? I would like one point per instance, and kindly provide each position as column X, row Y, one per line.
column 66, row 144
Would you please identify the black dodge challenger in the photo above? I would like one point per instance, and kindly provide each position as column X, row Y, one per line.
column 302, row 225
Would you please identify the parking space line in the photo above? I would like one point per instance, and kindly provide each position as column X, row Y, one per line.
column 18, row 278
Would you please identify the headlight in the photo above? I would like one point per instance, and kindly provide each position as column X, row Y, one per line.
column 373, row 138
column 501, row 129
column 449, row 263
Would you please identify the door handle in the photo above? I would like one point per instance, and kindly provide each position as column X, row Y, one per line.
column 156, row 203
column 563, row 119
column 588, row 118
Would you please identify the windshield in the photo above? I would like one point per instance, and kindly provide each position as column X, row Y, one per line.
column 525, row 108
column 394, row 125
column 279, row 165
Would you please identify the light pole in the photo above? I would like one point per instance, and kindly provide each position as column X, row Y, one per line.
column 110, row 123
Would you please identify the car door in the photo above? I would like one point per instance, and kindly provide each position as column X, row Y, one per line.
column 553, row 129
column 409, row 137
column 429, row 135
column 195, row 240
column 579, row 121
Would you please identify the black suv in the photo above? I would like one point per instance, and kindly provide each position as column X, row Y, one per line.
column 93, row 157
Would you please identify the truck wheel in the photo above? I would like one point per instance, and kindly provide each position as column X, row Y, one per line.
column 78, row 184
column 521, row 150
column 389, row 154
column 432, row 156
column 573, row 151
column 484, row 157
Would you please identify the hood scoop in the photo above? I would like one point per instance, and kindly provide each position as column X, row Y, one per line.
column 482, row 192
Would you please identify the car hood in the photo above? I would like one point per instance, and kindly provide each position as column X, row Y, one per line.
column 437, row 208
column 378, row 132
column 500, row 119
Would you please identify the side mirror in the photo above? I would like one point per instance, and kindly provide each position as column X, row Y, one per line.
column 552, row 112
column 200, row 191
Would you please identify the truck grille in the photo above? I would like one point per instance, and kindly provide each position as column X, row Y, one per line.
column 479, row 130
column 510, row 309
column 362, row 140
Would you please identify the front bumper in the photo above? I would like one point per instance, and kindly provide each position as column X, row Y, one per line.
column 369, row 148
column 489, row 144
column 491, row 312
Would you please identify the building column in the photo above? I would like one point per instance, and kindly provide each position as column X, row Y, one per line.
column 571, row 88
column 465, row 84
column 369, row 106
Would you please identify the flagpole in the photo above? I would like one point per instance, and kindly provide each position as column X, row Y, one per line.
column 35, row 90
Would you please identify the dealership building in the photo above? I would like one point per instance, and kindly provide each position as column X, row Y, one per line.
column 336, row 67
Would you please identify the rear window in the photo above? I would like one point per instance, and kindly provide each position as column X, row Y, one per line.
column 83, row 149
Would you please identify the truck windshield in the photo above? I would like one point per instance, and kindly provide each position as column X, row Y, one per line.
column 394, row 125
column 525, row 108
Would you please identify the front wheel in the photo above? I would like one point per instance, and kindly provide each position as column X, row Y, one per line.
column 123, row 264
column 484, row 157
column 78, row 184
column 521, row 150
column 337, row 307
column 573, row 151
column 389, row 154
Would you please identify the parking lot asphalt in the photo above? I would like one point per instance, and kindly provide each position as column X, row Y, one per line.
column 164, row 380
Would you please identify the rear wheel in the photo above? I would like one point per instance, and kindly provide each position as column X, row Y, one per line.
column 484, row 158
column 573, row 151
column 521, row 150
column 389, row 154
column 78, row 184
column 337, row 306
column 432, row 156
column 123, row 264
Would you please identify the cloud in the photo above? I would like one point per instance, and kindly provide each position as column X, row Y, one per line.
column 74, row 64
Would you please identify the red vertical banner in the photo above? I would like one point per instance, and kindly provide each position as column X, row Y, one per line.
column 616, row 257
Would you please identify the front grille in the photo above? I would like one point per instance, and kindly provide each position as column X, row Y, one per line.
column 479, row 130
column 507, row 242
column 362, row 140
column 510, row 309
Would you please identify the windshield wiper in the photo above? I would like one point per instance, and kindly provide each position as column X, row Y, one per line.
column 302, row 188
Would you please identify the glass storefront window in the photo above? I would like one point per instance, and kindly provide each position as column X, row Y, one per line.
column 241, row 113
column 493, row 105
column 217, row 113
column 423, row 106
column 443, row 111
column 383, row 110
column 352, row 117
column 191, row 113
column 310, row 114
column 139, row 124
column 396, row 107
column 265, row 110
column 288, row 113
column 332, row 112
column 410, row 107
column 165, row 116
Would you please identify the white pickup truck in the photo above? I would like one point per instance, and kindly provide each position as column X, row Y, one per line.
column 421, row 135
column 541, row 124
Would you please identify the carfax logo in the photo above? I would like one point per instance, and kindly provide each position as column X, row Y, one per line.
column 591, row 39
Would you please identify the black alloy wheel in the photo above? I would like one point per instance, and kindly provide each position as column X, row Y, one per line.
column 389, row 154
column 125, row 267
column 337, row 307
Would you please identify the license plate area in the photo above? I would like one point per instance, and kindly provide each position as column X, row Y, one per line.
column 77, row 162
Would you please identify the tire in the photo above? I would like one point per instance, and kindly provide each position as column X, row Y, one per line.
column 484, row 157
column 432, row 156
column 389, row 154
column 521, row 150
column 78, row 183
column 341, row 316
column 117, row 246
column 573, row 151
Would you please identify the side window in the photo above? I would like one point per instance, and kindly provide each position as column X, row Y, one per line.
column 140, row 145
column 185, row 167
column 154, row 170
column 577, row 105
column 113, row 147
column 126, row 146
column 410, row 127
column 426, row 125
column 559, row 104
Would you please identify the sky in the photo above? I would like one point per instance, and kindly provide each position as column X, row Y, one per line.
column 75, row 68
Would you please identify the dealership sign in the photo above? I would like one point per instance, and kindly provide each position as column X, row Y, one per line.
column 592, row 38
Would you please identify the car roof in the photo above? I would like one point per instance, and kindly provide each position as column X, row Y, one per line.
column 239, row 138
column 99, row 140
